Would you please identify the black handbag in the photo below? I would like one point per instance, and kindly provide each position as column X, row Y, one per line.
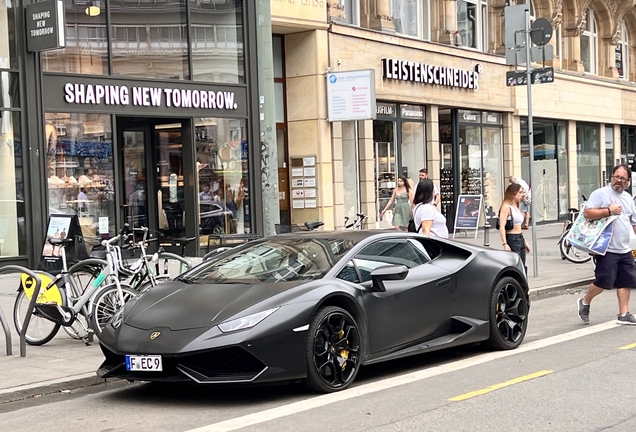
column 509, row 223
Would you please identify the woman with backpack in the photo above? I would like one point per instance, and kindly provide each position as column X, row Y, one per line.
column 426, row 218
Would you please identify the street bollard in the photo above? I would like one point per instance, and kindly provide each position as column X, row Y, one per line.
column 486, row 234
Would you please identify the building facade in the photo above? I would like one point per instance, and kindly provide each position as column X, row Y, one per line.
column 145, row 116
column 443, row 102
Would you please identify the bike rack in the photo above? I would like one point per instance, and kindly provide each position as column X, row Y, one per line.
column 25, row 325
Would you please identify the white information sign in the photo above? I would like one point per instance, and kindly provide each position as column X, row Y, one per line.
column 351, row 95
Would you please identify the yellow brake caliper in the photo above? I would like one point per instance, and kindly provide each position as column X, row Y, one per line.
column 343, row 353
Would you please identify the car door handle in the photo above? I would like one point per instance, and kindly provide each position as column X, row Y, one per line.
column 443, row 282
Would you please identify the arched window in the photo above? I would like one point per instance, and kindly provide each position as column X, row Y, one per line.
column 472, row 24
column 622, row 53
column 589, row 44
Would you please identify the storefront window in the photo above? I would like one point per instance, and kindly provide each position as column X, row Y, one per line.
column 86, row 50
column 13, row 222
column 549, row 185
column 9, row 90
column 223, row 176
column 80, row 170
column 152, row 45
column 8, row 56
column 216, row 35
column 413, row 140
column 587, row 158
column 481, row 159
column 384, row 154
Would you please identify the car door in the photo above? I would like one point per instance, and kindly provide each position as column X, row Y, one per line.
column 410, row 309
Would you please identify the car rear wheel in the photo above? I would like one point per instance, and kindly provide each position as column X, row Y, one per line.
column 334, row 350
column 509, row 308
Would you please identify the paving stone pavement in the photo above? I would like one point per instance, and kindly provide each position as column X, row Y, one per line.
column 65, row 364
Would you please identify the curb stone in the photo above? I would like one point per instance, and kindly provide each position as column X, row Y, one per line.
column 54, row 386
column 552, row 290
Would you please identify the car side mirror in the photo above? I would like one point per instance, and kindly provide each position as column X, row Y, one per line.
column 386, row 273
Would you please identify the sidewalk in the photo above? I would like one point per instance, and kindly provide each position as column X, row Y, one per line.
column 65, row 364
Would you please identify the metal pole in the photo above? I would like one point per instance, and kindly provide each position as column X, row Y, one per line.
column 531, row 143
column 268, row 146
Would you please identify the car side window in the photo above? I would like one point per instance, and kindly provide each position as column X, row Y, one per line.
column 387, row 252
column 349, row 273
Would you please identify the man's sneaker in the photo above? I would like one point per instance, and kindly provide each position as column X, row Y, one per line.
column 628, row 319
column 584, row 311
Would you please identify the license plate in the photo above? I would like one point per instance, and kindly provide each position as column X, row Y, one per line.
column 148, row 363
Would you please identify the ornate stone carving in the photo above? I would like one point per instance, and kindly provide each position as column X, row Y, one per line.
column 616, row 34
column 613, row 5
column 557, row 19
column 582, row 25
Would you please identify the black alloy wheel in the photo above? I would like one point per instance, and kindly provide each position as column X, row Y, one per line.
column 509, row 309
column 334, row 350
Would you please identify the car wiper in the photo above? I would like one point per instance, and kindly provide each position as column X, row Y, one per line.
column 184, row 280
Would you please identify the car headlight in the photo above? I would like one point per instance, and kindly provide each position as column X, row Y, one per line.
column 245, row 322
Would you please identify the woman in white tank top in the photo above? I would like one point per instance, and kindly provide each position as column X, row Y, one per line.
column 513, row 239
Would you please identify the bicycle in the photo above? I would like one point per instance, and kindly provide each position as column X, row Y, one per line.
column 62, row 303
column 147, row 271
column 357, row 223
column 568, row 252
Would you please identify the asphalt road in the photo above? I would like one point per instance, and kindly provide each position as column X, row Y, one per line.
column 564, row 377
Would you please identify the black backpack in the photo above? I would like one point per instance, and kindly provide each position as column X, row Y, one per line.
column 411, row 227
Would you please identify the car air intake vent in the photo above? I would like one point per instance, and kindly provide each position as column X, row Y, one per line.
column 229, row 364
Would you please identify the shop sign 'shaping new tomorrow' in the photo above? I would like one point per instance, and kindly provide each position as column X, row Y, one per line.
column 95, row 94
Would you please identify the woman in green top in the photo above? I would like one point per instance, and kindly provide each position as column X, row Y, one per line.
column 403, row 197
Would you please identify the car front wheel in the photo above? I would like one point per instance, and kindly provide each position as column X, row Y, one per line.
column 509, row 308
column 334, row 350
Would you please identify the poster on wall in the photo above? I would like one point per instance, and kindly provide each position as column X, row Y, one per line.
column 467, row 213
column 62, row 227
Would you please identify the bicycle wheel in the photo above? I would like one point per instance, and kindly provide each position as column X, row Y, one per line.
column 40, row 330
column 571, row 253
column 76, row 330
column 171, row 265
column 106, row 304
column 85, row 272
column 146, row 285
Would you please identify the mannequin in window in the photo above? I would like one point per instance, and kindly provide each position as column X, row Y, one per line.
column 174, row 209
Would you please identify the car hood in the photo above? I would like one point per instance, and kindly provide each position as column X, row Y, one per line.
column 182, row 306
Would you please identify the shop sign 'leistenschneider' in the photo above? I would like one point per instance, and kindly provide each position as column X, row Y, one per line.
column 438, row 75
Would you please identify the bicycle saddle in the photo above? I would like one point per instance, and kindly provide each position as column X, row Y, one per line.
column 573, row 210
column 58, row 241
column 183, row 240
column 312, row 225
column 101, row 254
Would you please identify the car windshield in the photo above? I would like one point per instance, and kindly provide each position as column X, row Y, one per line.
column 273, row 260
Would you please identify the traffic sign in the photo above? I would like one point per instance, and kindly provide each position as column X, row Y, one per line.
column 541, row 31
column 538, row 76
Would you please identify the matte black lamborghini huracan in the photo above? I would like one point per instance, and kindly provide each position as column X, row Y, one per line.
column 316, row 306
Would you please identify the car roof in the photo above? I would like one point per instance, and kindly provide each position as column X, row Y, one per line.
column 355, row 235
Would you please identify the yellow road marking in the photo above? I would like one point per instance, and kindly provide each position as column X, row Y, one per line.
column 501, row 385
column 628, row 347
